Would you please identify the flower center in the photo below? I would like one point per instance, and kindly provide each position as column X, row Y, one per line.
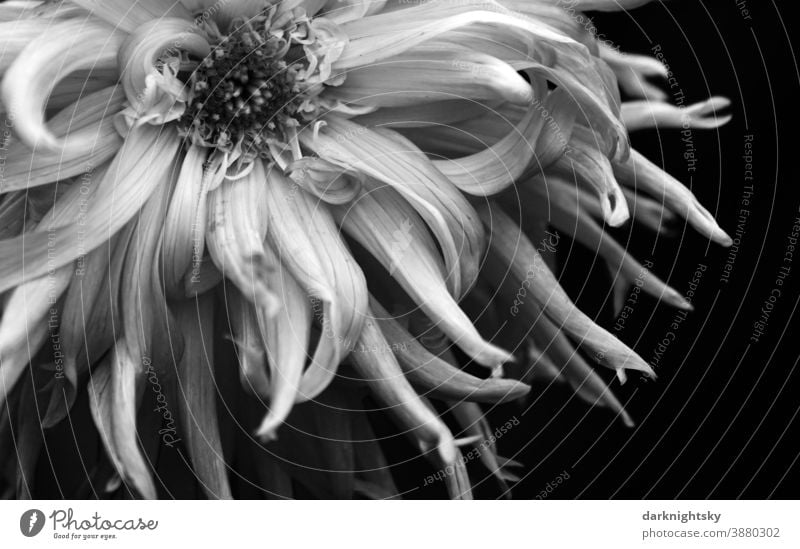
column 247, row 93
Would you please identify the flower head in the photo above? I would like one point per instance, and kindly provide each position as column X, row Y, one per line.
column 349, row 192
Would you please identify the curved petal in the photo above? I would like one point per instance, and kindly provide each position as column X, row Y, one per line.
column 641, row 174
column 438, row 378
column 526, row 264
column 424, row 76
column 387, row 227
column 390, row 158
column 387, row 34
column 588, row 166
column 307, row 242
column 89, row 141
column 496, row 168
column 237, row 227
column 47, row 59
column 150, row 42
column 183, row 238
column 640, row 115
column 145, row 161
column 113, row 403
column 197, row 405
column 286, row 339
column 385, row 379
column 127, row 16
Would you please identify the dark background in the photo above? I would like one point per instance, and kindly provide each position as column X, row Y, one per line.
column 721, row 421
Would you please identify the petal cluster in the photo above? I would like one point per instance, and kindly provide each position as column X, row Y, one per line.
column 321, row 200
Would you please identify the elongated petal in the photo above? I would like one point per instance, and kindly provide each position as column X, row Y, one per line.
column 476, row 427
column 144, row 162
column 198, row 392
column 589, row 167
column 387, row 227
column 113, row 402
column 492, row 170
column 397, row 162
column 387, row 34
column 15, row 34
column 527, row 265
column 430, row 114
column 383, row 375
column 66, row 47
column 237, row 227
column 143, row 306
column 606, row 5
column 307, row 242
column 649, row 212
column 639, row 115
column 632, row 72
column 286, row 338
column 438, row 378
column 643, row 175
column 127, row 16
column 90, row 141
column 183, row 239
column 423, row 76
column 586, row 383
column 86, row 329
column 567, row 217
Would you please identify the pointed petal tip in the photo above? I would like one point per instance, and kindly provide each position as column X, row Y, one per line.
column 626, row 419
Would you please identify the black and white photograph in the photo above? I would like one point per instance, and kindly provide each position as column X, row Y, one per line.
column 543, row 255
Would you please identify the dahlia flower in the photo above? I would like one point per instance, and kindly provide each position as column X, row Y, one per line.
column 324, row 199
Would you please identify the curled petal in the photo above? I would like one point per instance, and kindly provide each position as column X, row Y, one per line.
column 589, row 167
column 66, row 47
column 496, row 168
column 89, row 140
column 153, row 41
column 325, row 180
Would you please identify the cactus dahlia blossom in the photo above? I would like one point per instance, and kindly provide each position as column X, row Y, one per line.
column 307, row 204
